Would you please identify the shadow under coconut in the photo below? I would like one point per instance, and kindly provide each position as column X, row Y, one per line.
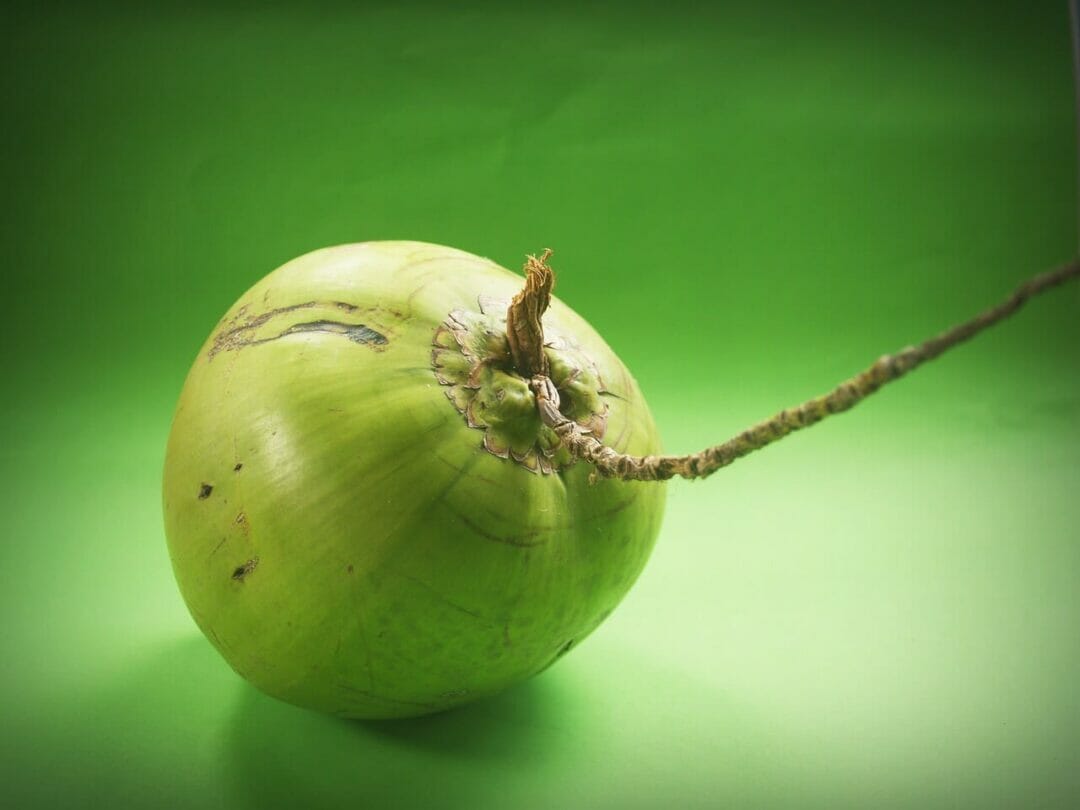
column 174, row 726
column 147, row 734
column 283, row 756
column 615, row 728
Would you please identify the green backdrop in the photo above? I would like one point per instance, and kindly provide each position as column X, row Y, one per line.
column 751, row 202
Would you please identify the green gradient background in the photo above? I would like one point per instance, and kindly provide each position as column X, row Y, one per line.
column 750, row 202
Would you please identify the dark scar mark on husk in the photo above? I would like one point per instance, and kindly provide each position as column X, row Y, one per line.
column 356, row 332
column 238, row 336
column 242, row 571
column 612, row 395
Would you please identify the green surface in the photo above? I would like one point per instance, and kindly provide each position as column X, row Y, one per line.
column 749, row 203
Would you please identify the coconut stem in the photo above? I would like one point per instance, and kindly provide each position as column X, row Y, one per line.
column 611, row 464
column 524, row 331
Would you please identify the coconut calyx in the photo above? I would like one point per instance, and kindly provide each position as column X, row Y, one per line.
column 486, row 360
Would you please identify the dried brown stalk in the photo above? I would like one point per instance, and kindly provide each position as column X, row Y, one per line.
column 524, row 331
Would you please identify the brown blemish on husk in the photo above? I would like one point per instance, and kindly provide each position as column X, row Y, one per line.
column 240, row 332
column 357, row 333
column 242, row 571
column 205, row 490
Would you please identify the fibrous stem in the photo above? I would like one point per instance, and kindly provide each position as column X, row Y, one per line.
column 612, row 464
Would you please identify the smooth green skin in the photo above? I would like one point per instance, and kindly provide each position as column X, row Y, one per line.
column 401, row 568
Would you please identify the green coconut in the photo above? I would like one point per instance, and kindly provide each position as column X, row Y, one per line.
column 366, row 513
column 397, row 482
